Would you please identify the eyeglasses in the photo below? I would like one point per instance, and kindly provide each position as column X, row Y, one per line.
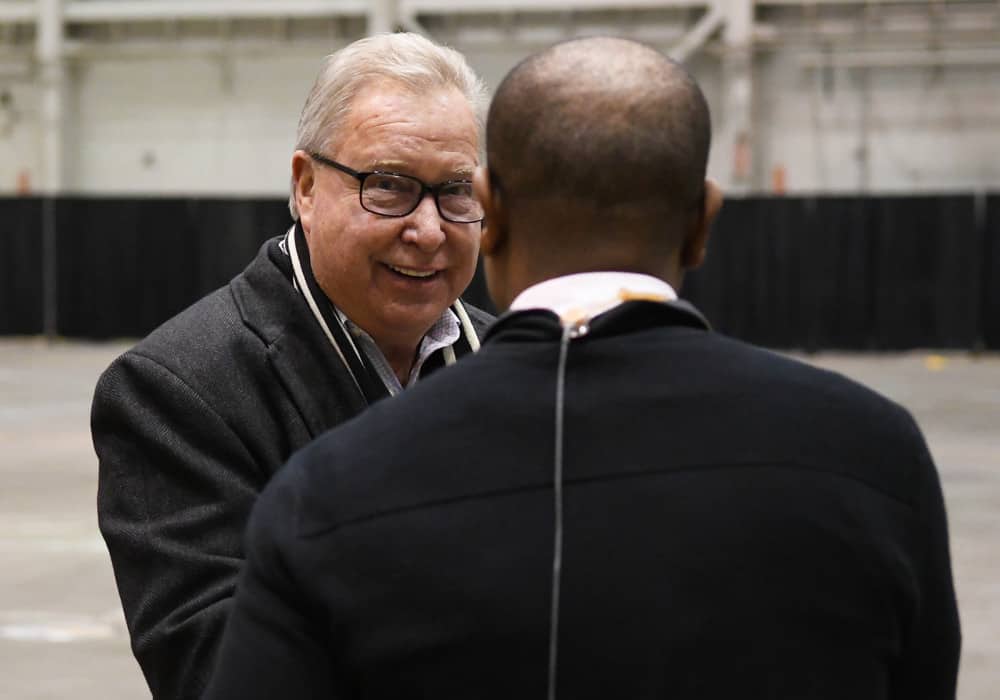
column 392, row 194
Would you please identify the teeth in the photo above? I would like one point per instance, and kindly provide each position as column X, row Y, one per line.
column 410, row 273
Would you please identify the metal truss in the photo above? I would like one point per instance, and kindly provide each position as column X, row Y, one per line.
column 683, row 26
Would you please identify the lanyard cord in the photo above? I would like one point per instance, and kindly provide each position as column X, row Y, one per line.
column 467, row 327
column 570, row 331
column 301, row 283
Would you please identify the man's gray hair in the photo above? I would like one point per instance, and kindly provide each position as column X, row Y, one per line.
column 409, row 59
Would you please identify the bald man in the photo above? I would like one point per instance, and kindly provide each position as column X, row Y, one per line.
column 609, row 500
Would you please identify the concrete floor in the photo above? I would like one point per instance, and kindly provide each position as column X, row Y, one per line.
column 61, row 630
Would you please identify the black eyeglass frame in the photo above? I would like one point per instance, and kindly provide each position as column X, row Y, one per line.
column 361, row 176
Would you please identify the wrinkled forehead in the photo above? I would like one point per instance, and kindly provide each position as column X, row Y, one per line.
column 390, row 127
column 385, row 99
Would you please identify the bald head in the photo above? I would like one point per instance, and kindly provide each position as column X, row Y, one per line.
column 597, row 153
column 600, row 124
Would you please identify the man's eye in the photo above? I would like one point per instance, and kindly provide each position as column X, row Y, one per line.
column 386, row 184
column 458, row 189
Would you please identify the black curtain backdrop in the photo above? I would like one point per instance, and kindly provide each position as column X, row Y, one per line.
column 874, row 273
column 127, row 265
column 753, row 263
column 926, row 250
column 21, row 272
column 860, row 273
column 989, row 312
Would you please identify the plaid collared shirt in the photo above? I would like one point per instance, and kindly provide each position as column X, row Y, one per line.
column 444, row 332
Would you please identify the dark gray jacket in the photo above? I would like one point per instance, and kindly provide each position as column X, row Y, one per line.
column 189, row 426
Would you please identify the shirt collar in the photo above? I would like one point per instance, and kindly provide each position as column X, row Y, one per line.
column 587, row 294
column 444, row 333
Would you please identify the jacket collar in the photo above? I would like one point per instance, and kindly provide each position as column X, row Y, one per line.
column 544, row 325
column 298, row 352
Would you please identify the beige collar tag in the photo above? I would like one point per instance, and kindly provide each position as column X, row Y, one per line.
column 580, row 315
column 628, row 295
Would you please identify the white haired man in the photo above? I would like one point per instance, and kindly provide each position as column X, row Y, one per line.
column 357, row 301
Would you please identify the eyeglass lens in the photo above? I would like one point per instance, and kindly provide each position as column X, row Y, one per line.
column 397, row 195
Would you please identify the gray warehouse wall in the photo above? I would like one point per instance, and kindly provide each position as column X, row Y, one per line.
column 197, row 124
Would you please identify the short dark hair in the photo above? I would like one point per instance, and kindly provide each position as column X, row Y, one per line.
column 608, row 122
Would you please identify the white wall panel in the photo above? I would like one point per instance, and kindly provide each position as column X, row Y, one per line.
column 191, row 125
column 808, row 124
column 937, row 128
column 923, row 129
column 20, row 138
column 204, row 124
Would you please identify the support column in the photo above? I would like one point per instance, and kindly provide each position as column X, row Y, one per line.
column 383, row 16
column 736, row 136
column 698, row 34
column 49, row 51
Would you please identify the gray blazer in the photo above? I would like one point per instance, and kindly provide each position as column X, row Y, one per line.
column 189, row 425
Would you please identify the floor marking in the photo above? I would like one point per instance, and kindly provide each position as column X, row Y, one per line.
column 57, row 628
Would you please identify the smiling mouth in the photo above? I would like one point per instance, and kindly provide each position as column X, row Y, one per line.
column 411, row 273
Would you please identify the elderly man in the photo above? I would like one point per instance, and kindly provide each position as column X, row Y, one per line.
column 642, row 508
column 356, row 302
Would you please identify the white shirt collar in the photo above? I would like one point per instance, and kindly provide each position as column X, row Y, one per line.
column 587, row 294
column 444, row 333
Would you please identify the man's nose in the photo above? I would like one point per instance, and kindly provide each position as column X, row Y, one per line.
column 424, row 225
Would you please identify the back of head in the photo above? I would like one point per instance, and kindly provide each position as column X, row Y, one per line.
column 405, row 59
column 601, row 130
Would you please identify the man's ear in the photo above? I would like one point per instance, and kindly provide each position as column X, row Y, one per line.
column 693, row 253
column 304, row 177
column 494, row 233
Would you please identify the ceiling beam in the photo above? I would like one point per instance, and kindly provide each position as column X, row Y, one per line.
column 696, row 37
column 18, row 12
column 903, row 58
column 465, row 7
column 101, row 11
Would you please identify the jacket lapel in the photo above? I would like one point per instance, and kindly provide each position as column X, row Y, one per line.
column 316, row 381
column 305, row 365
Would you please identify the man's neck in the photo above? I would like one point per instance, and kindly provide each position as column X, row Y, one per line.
column 400, row 357
column 397, row 356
